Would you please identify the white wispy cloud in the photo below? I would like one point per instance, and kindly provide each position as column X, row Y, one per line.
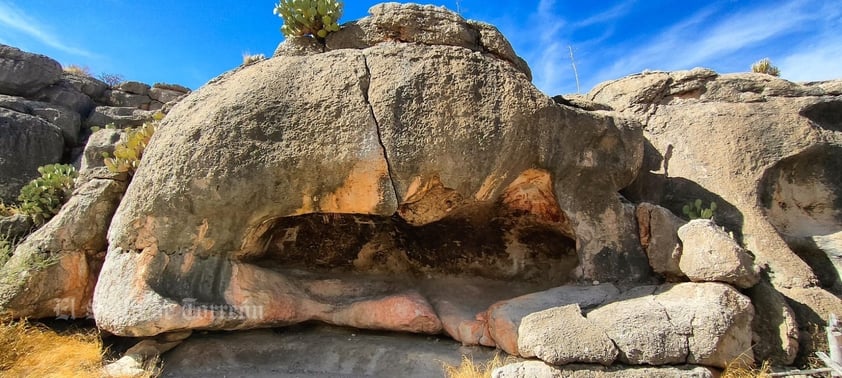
column 609, row 15
column 13, row 18
column 814, row 62
column 706, row 37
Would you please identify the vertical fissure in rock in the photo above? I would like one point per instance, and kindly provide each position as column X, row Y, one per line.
column 365, row 90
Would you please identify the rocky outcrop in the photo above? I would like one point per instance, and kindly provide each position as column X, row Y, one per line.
column 36, row 98
column 766, row 150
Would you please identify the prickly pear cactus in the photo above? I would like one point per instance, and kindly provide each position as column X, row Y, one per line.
column 694, row 210
column 309, row 17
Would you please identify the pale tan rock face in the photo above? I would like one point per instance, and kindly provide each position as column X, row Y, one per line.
column 375, row 156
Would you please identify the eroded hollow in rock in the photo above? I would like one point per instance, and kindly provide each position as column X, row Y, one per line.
column 523, row 235
column 827, row 115
column 801, row 196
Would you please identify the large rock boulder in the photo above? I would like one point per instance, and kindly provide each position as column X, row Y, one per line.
column 52, row 273
column 400, row 146
column 26, row 143
column 706, row 324
column 24, row 74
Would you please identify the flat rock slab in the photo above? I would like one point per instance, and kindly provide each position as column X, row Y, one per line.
column 315, row 351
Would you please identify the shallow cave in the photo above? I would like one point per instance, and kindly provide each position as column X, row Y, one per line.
column 521, row 235
column 483, row 240
column 802, row 198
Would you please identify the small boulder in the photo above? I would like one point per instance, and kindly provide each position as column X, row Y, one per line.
column 121, row 98
column 164, row 96
column 65, row 94
column 504, row 317
column 172, row 87
column 119, row 116
column 24, row 74
column 134, row 87
column 658, row 229
column 90, row 86
column 774, row 326
column 710, row 254
column 561, row 335
column 54, row 270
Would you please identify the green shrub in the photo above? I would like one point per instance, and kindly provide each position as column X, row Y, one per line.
column 765, row 66
column 309, row 17
column 127, row 154
column 694, row 210
column 42, row 197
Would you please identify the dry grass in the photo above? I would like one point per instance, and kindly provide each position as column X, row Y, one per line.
column 249, row 59
column 28, row 350
column 78, row 70
column 470, row 369
column 738, row 369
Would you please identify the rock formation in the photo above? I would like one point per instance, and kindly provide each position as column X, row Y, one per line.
column 46, row 113
column 766, row 150
column 405, row 175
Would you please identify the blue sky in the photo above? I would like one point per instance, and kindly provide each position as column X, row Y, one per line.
column 190, row 42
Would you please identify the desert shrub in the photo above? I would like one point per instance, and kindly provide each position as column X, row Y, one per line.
column 309, row 17
column 249, row 59
column 471, row 369
column 112, row 80
column 78, row 70
column 694, row 210
column 128, row 153
column 765, row 66
column 42, row 197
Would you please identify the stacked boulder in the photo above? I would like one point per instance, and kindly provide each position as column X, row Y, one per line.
column 46, row 113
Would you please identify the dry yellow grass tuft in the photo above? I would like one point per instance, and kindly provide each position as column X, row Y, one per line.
column 738, row 369
column 28, row 350
column 470, row 369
